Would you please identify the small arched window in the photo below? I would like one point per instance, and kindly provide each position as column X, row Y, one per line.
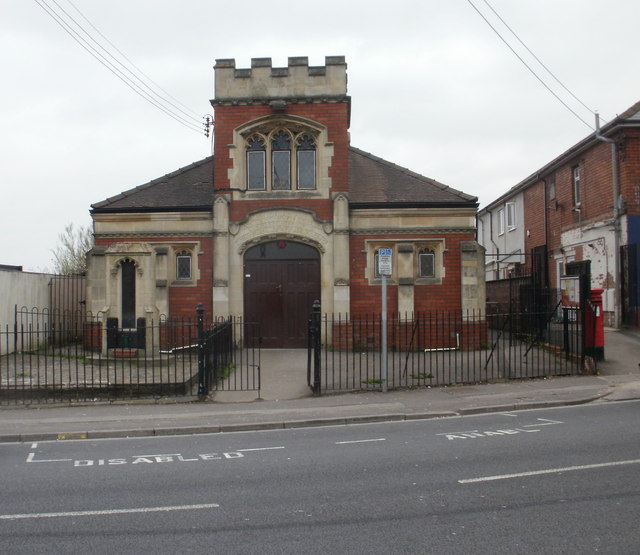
column 183, row 265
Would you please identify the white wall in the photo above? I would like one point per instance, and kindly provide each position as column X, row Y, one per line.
column 22, row 289
column 511, row 241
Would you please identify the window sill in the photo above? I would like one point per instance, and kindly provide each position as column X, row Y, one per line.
column 286, row 194
column 378, row 281
column 183, row 283
column 429, row 281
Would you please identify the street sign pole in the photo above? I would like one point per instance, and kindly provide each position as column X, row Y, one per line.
column 383, row 354
column 384, row 269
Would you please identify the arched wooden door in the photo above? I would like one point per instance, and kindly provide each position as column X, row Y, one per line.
column 281, row 281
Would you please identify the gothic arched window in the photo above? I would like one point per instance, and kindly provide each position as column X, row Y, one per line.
column 281, row 159
column 256, row 163
column 306, row 162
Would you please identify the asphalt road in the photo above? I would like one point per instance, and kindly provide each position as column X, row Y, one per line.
column 552, row 481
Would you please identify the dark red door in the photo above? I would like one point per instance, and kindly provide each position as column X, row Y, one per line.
column 282, row 279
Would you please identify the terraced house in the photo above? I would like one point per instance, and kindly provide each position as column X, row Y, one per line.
column 285, row 212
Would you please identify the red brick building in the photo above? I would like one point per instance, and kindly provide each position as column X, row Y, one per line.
column 578, row 214
column 284, row 213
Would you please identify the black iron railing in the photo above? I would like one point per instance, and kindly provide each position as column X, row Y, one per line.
column 229, row 355
column 446, row 347
column 58, row 356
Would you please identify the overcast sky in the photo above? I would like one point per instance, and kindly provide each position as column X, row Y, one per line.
column 433, row 89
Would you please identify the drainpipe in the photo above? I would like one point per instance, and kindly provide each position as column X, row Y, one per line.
column 494, row 244
column 616, row 220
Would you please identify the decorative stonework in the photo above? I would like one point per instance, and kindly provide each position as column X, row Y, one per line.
column 422, row 230
column 115, row 268
column 263, row 83
column 279, row 236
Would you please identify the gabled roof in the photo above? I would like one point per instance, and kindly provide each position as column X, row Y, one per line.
column 187, row 189
column 630, row 117
column 374, row 181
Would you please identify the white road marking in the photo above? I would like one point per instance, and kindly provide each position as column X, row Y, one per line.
column 360, row 441
column 105, row 512
column 545, row 422
column 152, row 456
column 547, row 471
column 31, row 456
column 259, row 449
column 34, row 446
column 526, row 428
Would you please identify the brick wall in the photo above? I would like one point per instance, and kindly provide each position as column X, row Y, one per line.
column 366, row 297
column 334, row 116
column 433, row 330
column 630, row 171
column 534, row 217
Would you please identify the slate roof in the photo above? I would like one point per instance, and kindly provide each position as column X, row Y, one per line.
column 188, row 189
column 373, row 182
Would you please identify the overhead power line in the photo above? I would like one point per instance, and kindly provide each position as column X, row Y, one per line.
column 134, row 65
column 538, row 59
column 542, row 82
column 102, row 54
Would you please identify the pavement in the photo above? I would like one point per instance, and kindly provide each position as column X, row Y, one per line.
column 286, row 402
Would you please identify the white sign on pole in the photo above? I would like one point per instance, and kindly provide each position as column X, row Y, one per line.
column 384, row 262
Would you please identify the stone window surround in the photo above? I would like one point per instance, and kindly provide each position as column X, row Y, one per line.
column 265, row 125
column 406, row 246
column 282, row 140
column 192, row 248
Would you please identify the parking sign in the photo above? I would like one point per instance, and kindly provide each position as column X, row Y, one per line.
column 384, row 262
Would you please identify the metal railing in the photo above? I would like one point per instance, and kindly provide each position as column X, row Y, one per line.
column 48, row 357
column 228, row 355
column 443, row 348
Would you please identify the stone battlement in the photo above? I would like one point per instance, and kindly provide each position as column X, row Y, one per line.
column 263, row 82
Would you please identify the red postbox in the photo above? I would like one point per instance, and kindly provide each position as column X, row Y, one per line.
column 594, row 325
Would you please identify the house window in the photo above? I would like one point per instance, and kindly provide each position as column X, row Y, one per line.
column 501, row 221
column 183, row 265
column 274, row 159
column 577, row 195
column 511, row 215
column 426, row 263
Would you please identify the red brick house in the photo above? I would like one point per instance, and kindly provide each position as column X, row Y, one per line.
column 285, row 212
column 580, row 213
